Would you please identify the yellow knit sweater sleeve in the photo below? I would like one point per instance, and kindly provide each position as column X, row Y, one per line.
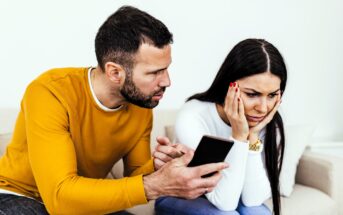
column 135, row 161
column 54, row 163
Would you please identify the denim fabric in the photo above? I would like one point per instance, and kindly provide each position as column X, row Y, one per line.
column 20, row 205
column 256, row 210
column 201, row 206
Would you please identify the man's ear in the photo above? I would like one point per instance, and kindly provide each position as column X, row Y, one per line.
column 115, row 72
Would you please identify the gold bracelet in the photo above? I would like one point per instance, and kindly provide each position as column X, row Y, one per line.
column 255, row 146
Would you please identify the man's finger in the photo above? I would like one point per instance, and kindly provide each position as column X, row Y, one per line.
column 183, row 148
column 186, row 158
column 169, row 150
column 158, row 163
column 162, row 156
column 210, row 168
column 163, row 140
column 211, row 181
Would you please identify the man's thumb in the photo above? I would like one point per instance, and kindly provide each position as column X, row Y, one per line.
column 163, row 140
column 187, row 157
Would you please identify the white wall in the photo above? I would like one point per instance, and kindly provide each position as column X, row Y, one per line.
column 37, row 35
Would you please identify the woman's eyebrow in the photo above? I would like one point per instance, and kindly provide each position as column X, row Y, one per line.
column 246, row 88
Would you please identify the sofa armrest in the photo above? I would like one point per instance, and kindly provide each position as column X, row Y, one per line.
column 323, row 172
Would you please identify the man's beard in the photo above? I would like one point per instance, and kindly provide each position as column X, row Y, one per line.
column 135, row 96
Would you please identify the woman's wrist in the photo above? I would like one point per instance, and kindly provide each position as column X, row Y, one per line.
column 240, row 138
column 253, row 137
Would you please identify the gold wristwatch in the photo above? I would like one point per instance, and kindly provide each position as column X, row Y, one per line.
column 256, row 146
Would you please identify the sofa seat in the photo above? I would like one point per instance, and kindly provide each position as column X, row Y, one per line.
column 306, row 200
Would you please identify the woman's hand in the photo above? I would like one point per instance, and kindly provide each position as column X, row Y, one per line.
column 234, row 110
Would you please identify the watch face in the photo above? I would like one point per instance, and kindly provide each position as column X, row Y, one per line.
column 257, row 146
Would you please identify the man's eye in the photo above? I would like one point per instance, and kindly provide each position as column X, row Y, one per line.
column 157, row 72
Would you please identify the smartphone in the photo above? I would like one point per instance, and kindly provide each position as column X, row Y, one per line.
column 211, row 150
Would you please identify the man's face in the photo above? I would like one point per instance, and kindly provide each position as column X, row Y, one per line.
column 145, row 84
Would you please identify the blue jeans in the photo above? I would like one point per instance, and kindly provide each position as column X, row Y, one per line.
column 201, row 206
column 20, row 205
column 12, row 204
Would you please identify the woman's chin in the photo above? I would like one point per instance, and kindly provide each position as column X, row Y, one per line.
column 252, row 124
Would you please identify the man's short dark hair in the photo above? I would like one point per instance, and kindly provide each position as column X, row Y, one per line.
column 121, row 35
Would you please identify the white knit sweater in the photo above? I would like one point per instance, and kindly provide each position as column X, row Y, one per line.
column 246, row 177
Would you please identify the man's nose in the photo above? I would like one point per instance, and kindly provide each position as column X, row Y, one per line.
column 165, row 80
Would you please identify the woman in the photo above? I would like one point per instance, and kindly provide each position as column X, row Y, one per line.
column 241, row 104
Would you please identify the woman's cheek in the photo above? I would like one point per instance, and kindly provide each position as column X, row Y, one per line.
column 248, row 104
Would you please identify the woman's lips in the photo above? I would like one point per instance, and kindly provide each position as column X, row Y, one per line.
column 255, row 118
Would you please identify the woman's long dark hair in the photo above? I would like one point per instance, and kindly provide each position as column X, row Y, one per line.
column 250, row 57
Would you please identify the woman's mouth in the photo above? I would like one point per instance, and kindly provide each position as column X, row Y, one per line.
column 254, row 118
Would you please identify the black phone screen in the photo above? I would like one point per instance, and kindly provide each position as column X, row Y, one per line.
column 211, row 150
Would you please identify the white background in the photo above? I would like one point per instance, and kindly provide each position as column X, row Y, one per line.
column 37, row 35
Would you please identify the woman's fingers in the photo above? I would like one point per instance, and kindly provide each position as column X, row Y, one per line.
column 231, row 104
column 235, row 100
column 228, row 100
column 241, row 107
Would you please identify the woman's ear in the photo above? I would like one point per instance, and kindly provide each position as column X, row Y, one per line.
column 115, row 72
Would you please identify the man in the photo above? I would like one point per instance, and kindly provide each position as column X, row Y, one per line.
column 75, row 123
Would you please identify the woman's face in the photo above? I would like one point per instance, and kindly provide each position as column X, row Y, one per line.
column 259, row 94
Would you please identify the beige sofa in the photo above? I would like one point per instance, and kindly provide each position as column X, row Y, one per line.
column 318, row 189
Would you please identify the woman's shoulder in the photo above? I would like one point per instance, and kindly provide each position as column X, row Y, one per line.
column 195, row 111
column 197, row 105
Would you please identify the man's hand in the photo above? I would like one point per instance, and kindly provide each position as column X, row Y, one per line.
column 166, row 151
column 176, row 179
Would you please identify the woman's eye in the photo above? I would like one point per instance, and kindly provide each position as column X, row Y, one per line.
column 252, row 95
column 272, row 95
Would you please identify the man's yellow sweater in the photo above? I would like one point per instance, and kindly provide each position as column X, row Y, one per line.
column 64, row 145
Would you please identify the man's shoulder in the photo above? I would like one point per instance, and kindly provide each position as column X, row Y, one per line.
column 66, row 84
column 57, row 74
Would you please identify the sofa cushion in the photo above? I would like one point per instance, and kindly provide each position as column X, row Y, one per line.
column 7, row 119
column 297, row 138
column 145, row 209
column 162, row 118
column 306, row 201
column 4, row 140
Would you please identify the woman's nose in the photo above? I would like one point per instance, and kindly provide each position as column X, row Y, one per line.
column 262, row 106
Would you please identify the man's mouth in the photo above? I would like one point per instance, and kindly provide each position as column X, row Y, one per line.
column 159, row 95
